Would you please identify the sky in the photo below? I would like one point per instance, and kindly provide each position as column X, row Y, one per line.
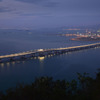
column 36, row 14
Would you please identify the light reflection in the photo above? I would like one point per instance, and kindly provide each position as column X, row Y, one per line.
column 13, row 62
column 8, row 64
column 18, row 61
column 48, row 55
column 51, row 55
column 34, row 57
column 31, row 58
column 41, row 58
column 2, row 64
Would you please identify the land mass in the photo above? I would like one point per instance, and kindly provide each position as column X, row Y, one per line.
column 86, row 39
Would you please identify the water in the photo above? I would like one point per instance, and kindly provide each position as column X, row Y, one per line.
column 59, row 67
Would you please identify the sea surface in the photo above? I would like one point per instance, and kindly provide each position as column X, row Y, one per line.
column 59, row 67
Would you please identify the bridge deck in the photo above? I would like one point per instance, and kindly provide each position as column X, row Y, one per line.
column 47, row 50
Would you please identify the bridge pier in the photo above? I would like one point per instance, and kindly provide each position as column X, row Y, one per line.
column 23, row 57
column 0, row 60
column 41, row 54
column 32, row 55
column 12, row 59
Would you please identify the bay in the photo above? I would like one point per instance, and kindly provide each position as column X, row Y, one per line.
column 59, row 67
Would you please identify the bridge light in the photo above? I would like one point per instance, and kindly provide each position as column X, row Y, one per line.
column 40, row 49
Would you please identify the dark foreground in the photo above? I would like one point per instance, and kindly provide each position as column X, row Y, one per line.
column 45, row 88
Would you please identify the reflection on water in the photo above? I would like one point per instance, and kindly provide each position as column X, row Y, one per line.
column 2, row 65
column 18, row 61
column 8, row 64
column 13, row 63
column 35, row 57
column 41, row 58
column 23, row 62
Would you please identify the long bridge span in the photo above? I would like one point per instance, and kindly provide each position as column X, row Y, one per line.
column 44, row 52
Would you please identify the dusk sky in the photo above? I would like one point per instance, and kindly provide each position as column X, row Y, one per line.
column 48, row 13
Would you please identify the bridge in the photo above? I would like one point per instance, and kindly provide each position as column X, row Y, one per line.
column 45, row 52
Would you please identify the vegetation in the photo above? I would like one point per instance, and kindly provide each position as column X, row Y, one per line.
column 45, row 88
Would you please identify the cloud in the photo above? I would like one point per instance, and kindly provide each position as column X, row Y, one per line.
column 83, row 4
column 16, row 7
column 48, row 12
column 51, row 4
column 34, row 14
column 31, row 1
column 4, row 9
column 42, row 7
column 45, row 3
column 67, row 4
